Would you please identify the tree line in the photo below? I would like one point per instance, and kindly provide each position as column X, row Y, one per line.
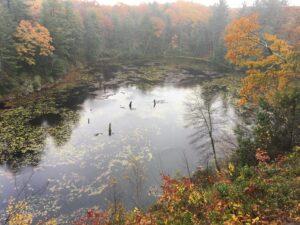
column 40, row 40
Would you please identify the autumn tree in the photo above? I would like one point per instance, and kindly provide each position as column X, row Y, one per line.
column 32, row 40
column 11, row 13
column 188, row 24
column 17, row 213
column 83, row 31
column 269, row 61
column 271, row 66
column 182, row 12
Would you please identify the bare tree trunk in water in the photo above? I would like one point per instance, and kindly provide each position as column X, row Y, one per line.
column 209, row 126
column 214, row 151
column 187, row 164
column 205, row 115
column 210, row 131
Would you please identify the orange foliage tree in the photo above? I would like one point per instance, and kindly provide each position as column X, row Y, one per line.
column 32, row 39
column 270, row 61
column 159, row 26
column 182, row 12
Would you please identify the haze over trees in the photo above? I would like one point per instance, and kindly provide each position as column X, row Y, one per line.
column 44, row 42
column 67, row 33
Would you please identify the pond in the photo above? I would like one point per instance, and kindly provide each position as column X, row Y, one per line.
column 89, row 147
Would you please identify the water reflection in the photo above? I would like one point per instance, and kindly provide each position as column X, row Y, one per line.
column 213, row 122
column 68, row 147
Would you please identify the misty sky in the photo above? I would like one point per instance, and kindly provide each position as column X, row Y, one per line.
column 231, row 3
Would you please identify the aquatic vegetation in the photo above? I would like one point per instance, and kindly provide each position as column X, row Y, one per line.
column 145, row 76
column 56, row 129
column 18, row 137
column 24, row 129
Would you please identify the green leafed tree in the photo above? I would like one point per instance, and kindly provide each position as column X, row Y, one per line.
column 66, row 30
column 218, row 23
column 7, row 51
column 93, row 37
column 271, row 14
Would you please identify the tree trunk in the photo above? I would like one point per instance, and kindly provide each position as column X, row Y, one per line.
column 8, row 4
column 214, row 151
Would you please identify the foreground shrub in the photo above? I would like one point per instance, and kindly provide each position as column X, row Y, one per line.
column 264, row 194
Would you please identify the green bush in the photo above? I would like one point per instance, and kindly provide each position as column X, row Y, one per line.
column 275, row 129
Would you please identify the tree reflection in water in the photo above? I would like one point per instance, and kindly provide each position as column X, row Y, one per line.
column 212, row 124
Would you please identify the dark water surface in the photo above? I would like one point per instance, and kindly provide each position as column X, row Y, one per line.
column 89, row 168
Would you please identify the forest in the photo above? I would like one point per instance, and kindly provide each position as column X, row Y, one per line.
column 210, row 134
column 42, row 40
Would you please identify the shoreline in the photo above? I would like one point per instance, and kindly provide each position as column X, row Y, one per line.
column 121, row 72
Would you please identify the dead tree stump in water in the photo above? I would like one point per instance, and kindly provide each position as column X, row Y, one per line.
column 130, row 105
column 109, row 129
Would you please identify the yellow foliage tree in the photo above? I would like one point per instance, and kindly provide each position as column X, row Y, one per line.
column 51, row 222
column 32, row 39
column 18, row 214
column 270, row 61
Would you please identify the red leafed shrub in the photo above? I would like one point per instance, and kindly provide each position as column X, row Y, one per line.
column 173, row 189
column 262, row 156
column 94, row 217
